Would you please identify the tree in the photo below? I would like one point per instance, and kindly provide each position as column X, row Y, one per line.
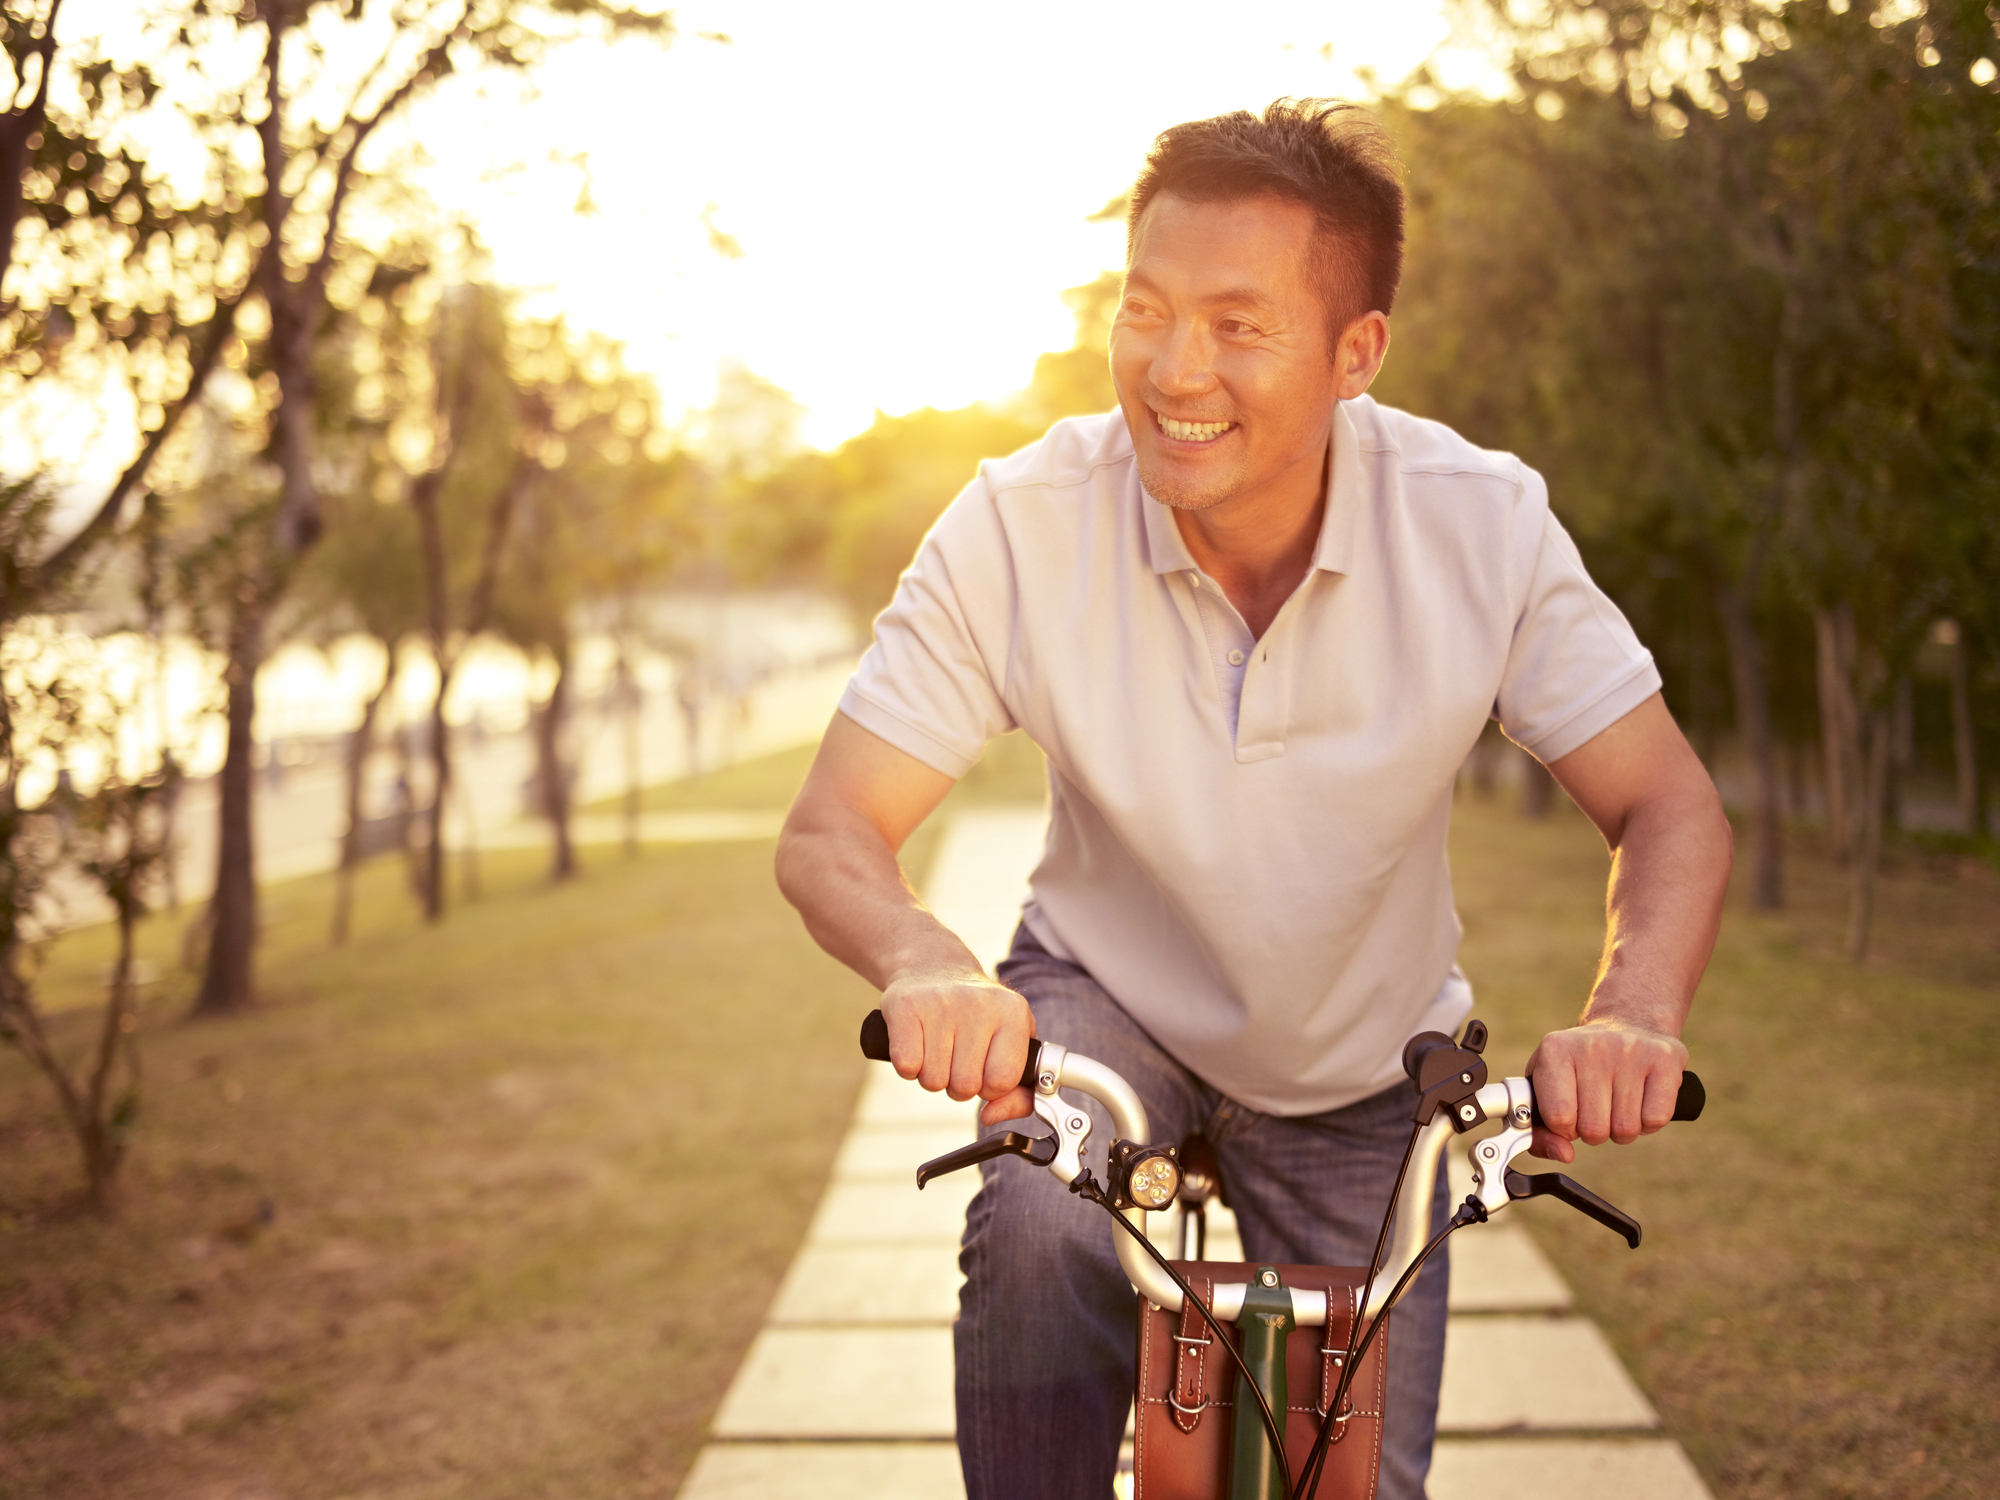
column 609, row 511
column 366, row 575
column 483, row 464
column 93, row 301
column 58, row 716
column 310, row 167
column 1712, row 270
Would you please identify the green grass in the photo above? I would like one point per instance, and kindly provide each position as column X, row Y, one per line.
column 532, row 1177
column 1009, row 771
column 756, row 785
column 1813, row 1310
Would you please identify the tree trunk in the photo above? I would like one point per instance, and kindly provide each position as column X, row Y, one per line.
column 1753, row 723
column 554, row 773
column 1878, row 730
column 630, row 703
column 359, row 745
column 230, row 983
column 1902, row 749
column 434, row 858
column 105, row 1124
column 1840, row 725
column 1964, row 745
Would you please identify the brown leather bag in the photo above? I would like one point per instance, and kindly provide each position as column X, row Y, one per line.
column 1187, row 1390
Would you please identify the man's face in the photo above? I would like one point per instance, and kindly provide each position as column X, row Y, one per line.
column 1220, row 349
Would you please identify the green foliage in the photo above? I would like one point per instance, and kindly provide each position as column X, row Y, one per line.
column 858, row 514
column 1729, row 277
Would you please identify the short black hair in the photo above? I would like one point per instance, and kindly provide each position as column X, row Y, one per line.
column 1332, row 158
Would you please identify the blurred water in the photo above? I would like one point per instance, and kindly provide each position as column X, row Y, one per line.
column 748, row 676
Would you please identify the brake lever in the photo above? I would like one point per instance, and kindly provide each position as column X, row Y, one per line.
column 1007, row 1143
column 1582, row 1199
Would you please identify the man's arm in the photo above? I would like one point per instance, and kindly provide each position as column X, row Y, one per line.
column 1614, row 1075
column 950, row 1026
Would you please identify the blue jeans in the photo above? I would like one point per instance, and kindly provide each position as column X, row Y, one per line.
column 1047, row 1323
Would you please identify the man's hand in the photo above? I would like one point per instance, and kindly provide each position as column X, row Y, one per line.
column 950, row 1027
column 961, row 1032
column 1603, row 1081
column 1614, row 1076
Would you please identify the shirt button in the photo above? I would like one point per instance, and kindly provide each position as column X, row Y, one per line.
column 1236, row 658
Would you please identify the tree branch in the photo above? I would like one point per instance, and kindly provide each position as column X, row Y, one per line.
column 479, row 612
column 65, row 558
column 344, row 166
column 16, row 126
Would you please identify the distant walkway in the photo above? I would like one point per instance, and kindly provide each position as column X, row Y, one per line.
column 301, row 816
column 1535, row 1404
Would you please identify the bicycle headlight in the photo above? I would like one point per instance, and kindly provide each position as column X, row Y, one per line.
column 1145, row 1177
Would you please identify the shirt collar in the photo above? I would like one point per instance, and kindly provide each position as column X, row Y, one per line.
column 1334, row 552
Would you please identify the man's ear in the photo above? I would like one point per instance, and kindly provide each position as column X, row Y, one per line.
column 1357, row 358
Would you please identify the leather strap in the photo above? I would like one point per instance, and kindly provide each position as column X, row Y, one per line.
column 1333, row 1349
column 1190, row 1394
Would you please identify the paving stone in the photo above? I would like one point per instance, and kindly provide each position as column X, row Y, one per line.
column 869, row 1210
column 1563, row 1469
column 833, row 1283
column 1498, row 1268
column 826, row 1471
column 842, row 1383
column 1503, row 1373
column 979, row 877
column 892, row 1101
column 893, row 1155
column 840, row 1360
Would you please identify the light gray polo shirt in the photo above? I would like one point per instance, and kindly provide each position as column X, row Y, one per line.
column 1246, row 842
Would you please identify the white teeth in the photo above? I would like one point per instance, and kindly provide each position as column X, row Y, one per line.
column 1192, row 432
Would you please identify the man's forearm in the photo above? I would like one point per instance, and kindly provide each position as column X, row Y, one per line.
column 843, row 878
column 1669, row 874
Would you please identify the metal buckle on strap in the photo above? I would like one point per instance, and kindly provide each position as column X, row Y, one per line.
column 1190, row 1411
column 1181, row 1338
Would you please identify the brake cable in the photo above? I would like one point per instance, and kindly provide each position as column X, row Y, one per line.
column 1308, row 1486
column 1085, row 1186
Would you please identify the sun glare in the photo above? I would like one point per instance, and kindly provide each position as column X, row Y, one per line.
column 875, row 207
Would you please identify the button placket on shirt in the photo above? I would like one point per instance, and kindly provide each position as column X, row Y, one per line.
column 1264, row 712
column 1232, row 649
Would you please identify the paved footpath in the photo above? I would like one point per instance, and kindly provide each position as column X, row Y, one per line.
column 846, row 1393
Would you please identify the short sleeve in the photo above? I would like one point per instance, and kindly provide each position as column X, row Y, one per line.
column 1575, row 667
column 931, row 684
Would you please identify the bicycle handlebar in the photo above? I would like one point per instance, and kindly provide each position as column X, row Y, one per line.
column 1688, row 1103
column 875, row 1046
column 1052, row 1067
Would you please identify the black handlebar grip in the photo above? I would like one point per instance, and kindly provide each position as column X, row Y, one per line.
column 875, row 1036
column 1688, row 1104
column 875, row 1045
column 1692, row 1099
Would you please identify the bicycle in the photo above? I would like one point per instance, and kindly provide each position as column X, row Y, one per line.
column 1454, row 1096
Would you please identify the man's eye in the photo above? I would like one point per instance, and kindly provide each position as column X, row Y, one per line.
column 1234, row 325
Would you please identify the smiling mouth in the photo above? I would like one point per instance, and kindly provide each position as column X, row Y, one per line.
column 1192, row 432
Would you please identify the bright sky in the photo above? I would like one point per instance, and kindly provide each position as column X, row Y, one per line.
column 908, row 181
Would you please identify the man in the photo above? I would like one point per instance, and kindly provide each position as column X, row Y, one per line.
column 1255, row 621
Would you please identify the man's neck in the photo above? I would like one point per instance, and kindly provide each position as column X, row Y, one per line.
column 1259, row 546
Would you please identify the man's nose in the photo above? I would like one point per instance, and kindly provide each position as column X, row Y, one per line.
column 1185, row 363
